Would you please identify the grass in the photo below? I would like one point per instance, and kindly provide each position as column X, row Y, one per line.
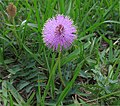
column 86, row 74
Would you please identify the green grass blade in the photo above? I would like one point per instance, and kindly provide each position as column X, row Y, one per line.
column 38, row 94
column 68, row 87
column 70, row 57
column 4, row 93
column 15, row 94
column 37, row 15
column 49, row 80
column 11, row 100
column 29, row 101
column 109, row 9
column 62, row 6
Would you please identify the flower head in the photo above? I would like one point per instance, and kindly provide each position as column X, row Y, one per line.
column 59, row 31
column 11, row 10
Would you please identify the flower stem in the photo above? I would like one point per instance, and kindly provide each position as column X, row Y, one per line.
column 59, row 69
column 15, row 33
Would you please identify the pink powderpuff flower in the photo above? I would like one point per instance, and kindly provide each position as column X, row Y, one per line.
column 57, row 31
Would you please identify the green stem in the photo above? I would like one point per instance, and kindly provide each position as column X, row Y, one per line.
column 16, row 35
column 59, row 69
column 52, row 80
column 52, row 73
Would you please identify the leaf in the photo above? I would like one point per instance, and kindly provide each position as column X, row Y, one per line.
column 4, row 92
column 22, row 85
column 11, row 100
column 30, row 99
column 15, row 94
column 1, row 56
column 14, row 70
column 49, row 80
column 70, row 57
column 109, row 9
column 68, row 87
column 112, row 21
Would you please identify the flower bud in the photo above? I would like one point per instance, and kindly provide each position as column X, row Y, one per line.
column 11, row 10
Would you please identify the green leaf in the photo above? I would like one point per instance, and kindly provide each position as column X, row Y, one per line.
column 11, row 100
column 1, row 56
column 15, row 94
column 4, row 92
column 50, row 80
column 68, row 87
column 70, row 57
column 30, row 99
column 14, row 70
column 22, row 85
